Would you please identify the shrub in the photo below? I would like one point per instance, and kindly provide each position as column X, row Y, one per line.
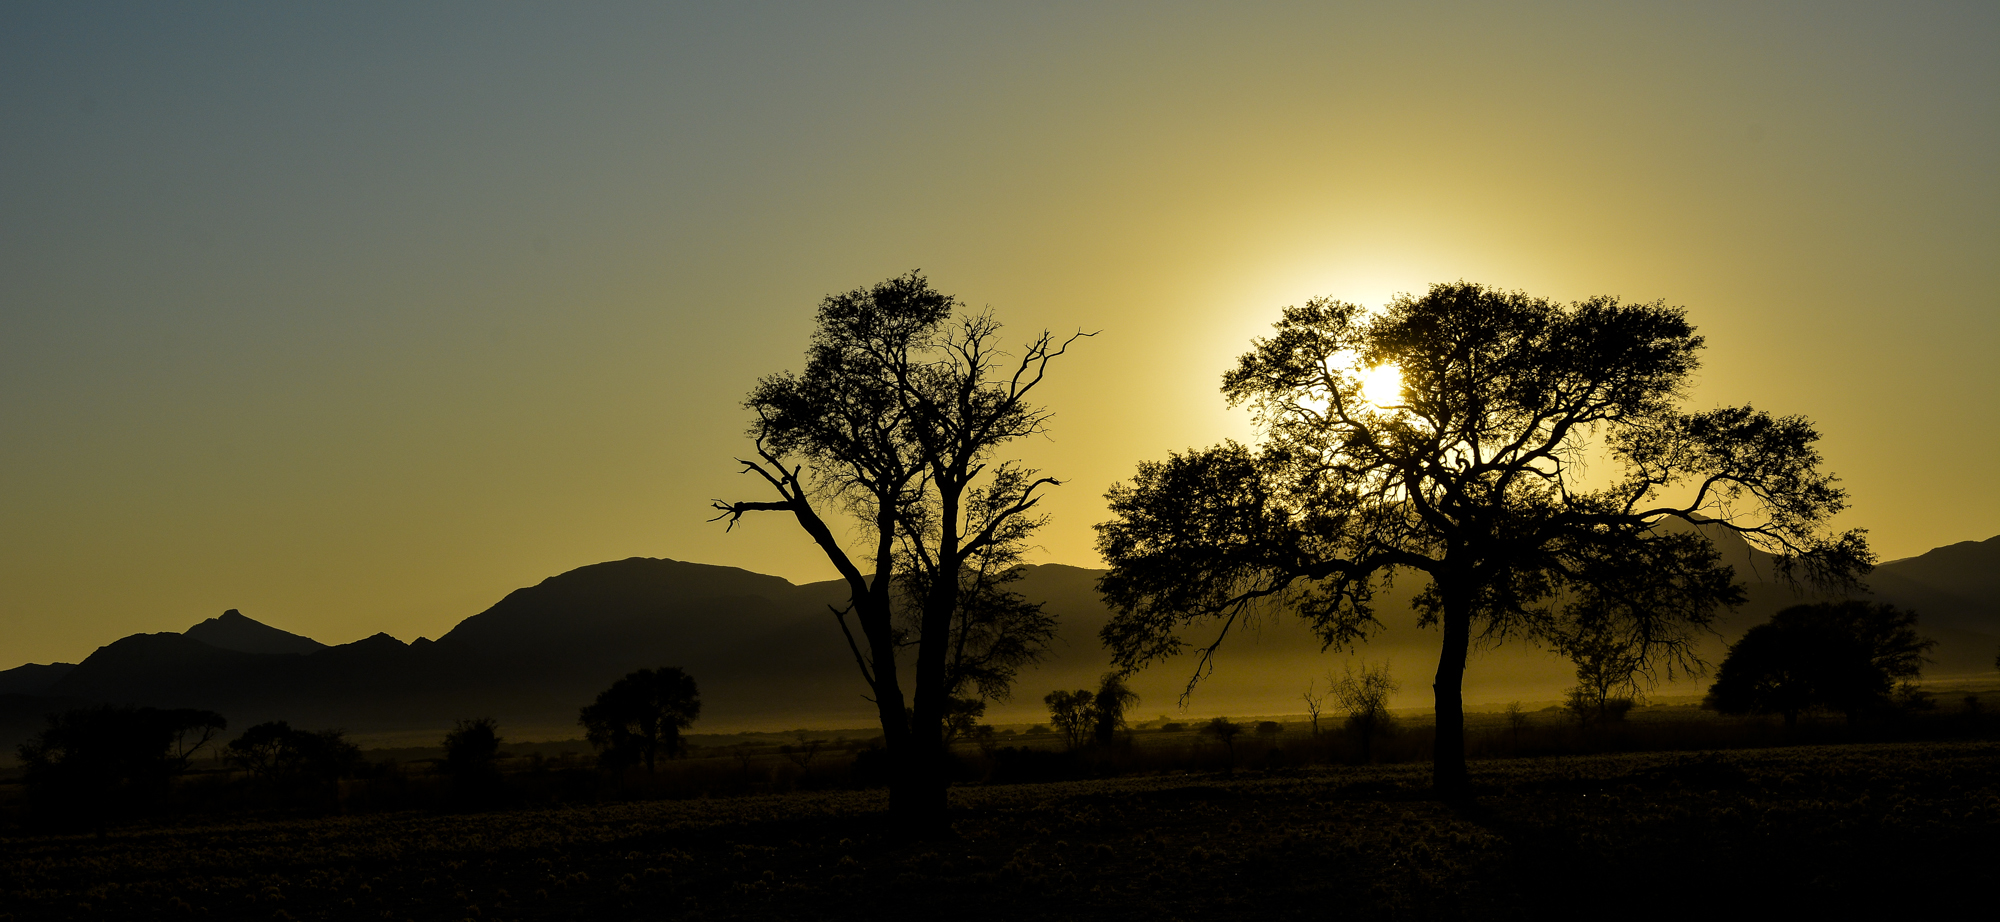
column 92, row 764
column 471, row 757
column 641, row 716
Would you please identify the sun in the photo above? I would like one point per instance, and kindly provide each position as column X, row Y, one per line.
column 1382, row 385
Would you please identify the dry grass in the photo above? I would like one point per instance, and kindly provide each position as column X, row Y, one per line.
column 1896, row 827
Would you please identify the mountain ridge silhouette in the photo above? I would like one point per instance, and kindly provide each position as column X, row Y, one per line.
column 769, row 654
column 233, row 631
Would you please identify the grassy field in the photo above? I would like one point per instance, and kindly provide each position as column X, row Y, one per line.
column 1891, row 828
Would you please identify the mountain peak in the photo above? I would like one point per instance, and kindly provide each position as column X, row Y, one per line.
column 234, row 631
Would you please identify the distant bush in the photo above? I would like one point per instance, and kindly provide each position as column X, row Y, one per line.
column 471, row 757
column 275, row 752
column 1841, row 656
column 1226, row 731
column 1365, row 697
column 1586, row 708
column 641, row 716
column 1109, row 705
column 95, row 764
column 1072, row 714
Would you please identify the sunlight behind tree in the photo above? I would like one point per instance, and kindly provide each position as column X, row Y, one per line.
column 1382, row 385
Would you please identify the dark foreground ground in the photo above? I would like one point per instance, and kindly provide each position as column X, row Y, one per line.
column 1894, row 830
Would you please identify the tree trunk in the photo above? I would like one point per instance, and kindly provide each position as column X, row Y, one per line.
column 1448, row 777
column 925, row 811
column 916, row 799
column 910, row 803
column 918, row 804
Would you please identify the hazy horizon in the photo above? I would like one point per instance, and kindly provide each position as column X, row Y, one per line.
column 357, row 318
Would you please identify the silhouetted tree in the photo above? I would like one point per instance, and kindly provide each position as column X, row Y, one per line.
column 1843, row 656
column 1472, row 479
column 641, row 716
column 91, row 763
column 896, row 419
column 472, row 755
column 802, row 754
column 1226, row 731
column 1589, row 708
column 261, row 749
column 1314, row 702
column 1517, row 720
column 1071, row 713
column 962, row 718
column 1108, row 706
column 275, row 751
column 1365, row 697
column 1608, row 668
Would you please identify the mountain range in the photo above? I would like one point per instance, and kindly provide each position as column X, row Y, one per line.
column 769, row 655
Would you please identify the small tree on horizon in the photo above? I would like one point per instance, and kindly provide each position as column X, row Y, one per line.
column 472, row 755
column 1517, row 720
column 274, row 750
column 641, row 716
column 1109, row 705
column 1226, row 731
column 1072, row 714
column 1608, row 669
column 1365, row 697
column 961, row 720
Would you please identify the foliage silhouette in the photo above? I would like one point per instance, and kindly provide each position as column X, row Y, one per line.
column 1843, row 656
column 472, row 756
column 92, row 764
column 895, row 420
column 1472, row 481
column 1591, row 707
column 641, row 716
column 1109, row 705
column 1517, row 720
column 1315, row 701
column 1609, row 666
column 961, row 720
column 1073, row 714
column 274, row 751
column 1365, row 698
column 1226, row 731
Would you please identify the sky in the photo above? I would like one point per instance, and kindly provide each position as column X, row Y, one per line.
column 356, row 317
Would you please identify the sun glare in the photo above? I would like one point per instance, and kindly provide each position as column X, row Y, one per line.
column 1382, row 385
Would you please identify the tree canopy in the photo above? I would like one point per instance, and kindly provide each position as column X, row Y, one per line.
column 90, row 762
column 1843, row 656
column 1528, row 472
column 641, row 716
column 275, row 751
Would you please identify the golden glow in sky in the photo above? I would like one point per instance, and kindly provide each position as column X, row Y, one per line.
column 356, row 317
